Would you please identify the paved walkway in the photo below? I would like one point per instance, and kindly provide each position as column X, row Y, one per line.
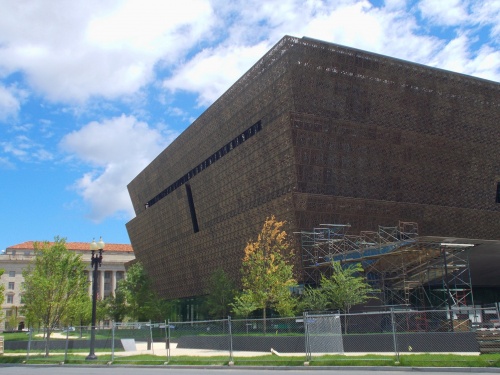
column 158, row 348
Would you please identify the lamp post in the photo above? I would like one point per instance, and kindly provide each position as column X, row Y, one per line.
column 95, row 262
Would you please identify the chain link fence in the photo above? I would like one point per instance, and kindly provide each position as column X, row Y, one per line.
column 130, row 339
column 311, row 337
column 62, row 343
column 461, row 330
column 209, row 340
column 269, row 339
column 323, row 334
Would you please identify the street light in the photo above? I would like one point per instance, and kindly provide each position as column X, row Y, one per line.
column 95, row 262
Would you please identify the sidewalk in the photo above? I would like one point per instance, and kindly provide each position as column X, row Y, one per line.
column 158, row 348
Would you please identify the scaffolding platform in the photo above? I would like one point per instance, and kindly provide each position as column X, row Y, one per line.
column 405, row 269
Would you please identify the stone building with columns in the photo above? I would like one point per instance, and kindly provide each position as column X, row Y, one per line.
column 17, row 258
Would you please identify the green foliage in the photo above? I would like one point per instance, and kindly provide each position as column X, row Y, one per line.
column 81, row 314
column 136, row 288
column 136, row 299
column 244, row 304
column 267, row 273
column 13, row 319
column 314, row 299
column 114, row 306
column 160, row 309
column 55, row 285
column 346, row 287
column 220, row 292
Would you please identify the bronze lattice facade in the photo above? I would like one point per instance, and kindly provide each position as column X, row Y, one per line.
column 319, row 133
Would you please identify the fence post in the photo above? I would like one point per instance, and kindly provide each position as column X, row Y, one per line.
column 29, row 343
column 230, row 339
column 150, row 338
column 168, row 340
column 450, row 314
column 66, row 346
column 113, row 341
column 394, row 337
column 306, row 337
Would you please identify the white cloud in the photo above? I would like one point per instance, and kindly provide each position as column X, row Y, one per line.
column 212, row 71
column 151, row 26
column 25, row 149
column 486, row 64
column 9, row 103
column 453, row 55
column 395, row 4
column 456, row 56
column 487, row 12
column 117, row 149
column 444, row 12
column 388, row 31
column 43, row 155
column 352, row 23
column 73, row 50
column 15, row 150
column 5, row 163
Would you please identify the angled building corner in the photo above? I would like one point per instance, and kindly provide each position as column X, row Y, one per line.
column 319, row 133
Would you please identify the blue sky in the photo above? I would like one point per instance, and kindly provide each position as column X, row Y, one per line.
column 91, row 91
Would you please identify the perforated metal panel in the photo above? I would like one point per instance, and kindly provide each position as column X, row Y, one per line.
column 347, row 137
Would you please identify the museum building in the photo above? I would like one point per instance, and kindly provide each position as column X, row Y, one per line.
column 317, row 133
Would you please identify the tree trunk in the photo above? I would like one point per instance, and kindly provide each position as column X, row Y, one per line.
column 264, row 320
column 346, row 311
column 47, row 339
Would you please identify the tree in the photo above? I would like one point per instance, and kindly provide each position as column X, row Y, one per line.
column 314, row 299
column 137, row 290
column 220, row 292
column 267, row 272
column 81, row 313
column 136, row 299
column 244, row 304
column 115, row 306
column 160, row 309
column 12, row 319
column 346, row 286
column 54, row 286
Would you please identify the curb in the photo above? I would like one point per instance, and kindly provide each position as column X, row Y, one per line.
column 492, row 370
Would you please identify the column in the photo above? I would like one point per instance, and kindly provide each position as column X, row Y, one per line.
column 113, row 283
column 101, row 285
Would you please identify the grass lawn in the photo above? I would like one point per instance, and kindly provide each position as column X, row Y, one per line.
column 450, row 360
column 16, row 336
column 414, row 360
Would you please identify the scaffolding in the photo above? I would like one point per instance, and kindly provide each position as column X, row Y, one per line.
column 406, row 270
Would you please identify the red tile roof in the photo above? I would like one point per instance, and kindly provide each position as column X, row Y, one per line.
column 81, row 246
